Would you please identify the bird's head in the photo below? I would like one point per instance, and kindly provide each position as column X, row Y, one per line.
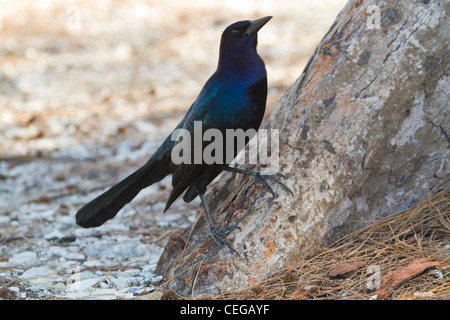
column 239, row 40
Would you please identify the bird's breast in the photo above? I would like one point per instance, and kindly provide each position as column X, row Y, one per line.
column 237, row 106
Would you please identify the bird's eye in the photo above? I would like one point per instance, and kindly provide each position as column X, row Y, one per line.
column 236, row 32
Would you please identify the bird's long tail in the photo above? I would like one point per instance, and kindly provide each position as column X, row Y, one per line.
column 106, row 206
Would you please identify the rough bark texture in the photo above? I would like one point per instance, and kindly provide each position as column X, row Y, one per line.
column 364, row 132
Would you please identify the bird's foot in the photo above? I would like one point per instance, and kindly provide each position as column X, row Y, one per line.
column 219, row 236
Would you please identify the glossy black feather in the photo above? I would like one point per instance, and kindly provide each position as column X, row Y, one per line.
column 234, row 97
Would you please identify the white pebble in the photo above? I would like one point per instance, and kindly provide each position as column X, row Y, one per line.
column 40, row 275
column 27, row 258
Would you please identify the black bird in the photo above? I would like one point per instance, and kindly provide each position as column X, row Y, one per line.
column 234, row 97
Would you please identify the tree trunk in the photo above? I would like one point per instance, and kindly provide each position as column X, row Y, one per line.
column 364, row 132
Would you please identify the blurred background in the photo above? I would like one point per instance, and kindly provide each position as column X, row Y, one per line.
column 98, row 72
column 88, row 91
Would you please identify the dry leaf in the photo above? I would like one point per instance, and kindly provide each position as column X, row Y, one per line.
column 345, row 268
column 393, row 279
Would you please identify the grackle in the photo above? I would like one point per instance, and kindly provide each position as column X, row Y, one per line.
column 234, row 97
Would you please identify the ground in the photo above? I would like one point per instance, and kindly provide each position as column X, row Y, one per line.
column 88, row 90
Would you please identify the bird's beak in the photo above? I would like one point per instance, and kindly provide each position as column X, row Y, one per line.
column 257, row 24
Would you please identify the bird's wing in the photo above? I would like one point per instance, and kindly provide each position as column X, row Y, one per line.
column 185, row 174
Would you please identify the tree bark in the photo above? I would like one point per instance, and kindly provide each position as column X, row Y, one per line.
column 364, row 132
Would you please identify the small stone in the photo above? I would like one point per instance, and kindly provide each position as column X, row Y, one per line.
column 27, row 258
column 83, row 285
column 121, row 282
column 40, row 275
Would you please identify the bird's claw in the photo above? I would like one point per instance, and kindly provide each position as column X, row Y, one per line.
column 219, row 237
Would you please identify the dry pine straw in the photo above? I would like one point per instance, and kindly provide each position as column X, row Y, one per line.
column 410, row 250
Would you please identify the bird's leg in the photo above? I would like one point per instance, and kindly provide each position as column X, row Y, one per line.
column 218, row 235
column 261, row 178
